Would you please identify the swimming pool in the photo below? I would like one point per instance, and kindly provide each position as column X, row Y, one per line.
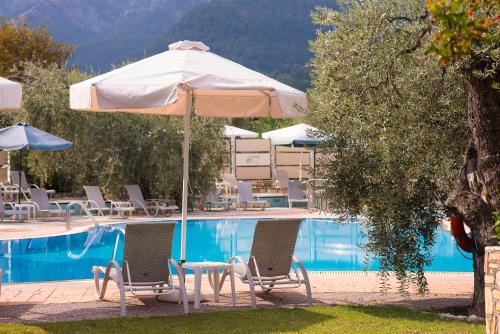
column 323, row 245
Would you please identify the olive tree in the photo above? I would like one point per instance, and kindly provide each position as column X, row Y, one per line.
column 396, row 120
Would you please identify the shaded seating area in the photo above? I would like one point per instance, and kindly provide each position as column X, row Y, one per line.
column 146, row 265
column 272, row 264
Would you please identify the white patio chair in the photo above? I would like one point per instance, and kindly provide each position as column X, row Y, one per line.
column 245, row 197
column 96, row 203
column 271, row 264
column 145, row 269
column 40, row 200
column 212, row 200
column 231, row 183
column 282, row 179
column 149, row 206
column 296, row 194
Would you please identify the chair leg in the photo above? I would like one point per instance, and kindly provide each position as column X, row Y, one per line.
column 251, row 285
column 118, row 278
column 307, row 283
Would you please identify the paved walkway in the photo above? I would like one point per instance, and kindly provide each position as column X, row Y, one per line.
column 74, row 300
column 16, row 230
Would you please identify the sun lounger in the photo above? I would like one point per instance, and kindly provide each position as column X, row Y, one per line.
column 245, row 197
column 212, row 200
column 272, row 264
column 295, row 194
column 282, row 179
column 145, row 269
column 25, row 186
column 231, row 183
column 96, row 203
column 150, row 206
column 43, row 206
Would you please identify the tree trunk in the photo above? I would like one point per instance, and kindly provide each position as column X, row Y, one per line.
column 476, row 196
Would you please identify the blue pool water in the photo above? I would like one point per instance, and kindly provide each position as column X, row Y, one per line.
column 322, row 244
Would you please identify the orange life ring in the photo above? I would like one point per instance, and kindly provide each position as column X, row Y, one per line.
column 458, row 231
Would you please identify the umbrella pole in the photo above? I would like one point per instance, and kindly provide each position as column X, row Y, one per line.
column 20, row 174
column 185, row 171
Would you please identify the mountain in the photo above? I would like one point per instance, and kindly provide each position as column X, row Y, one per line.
column 271, row 36
column 105, row 32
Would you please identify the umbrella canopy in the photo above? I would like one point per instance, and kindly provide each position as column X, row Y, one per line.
column 24, row 136
column 157, row 85
column 297, row 135
column 10, row 95
column 170, row 82
column 232, row 131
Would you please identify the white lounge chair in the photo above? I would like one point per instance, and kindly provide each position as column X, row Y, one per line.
column 4, row 212
column 145, row 269
column 282, row 179
column 25, row 186
column 43, row 206
column 96, row 203
column 230, row 182
column 150, row 206
column 295, row 194
column 271, row 264
column 212, row 200
column 245, row 197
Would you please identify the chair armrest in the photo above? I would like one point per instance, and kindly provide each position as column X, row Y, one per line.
column 33, row 204
column 56, row 204
column 178, row 270
column 137, row 203
column 121, row 204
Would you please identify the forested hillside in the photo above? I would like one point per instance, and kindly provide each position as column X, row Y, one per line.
column 271, row 36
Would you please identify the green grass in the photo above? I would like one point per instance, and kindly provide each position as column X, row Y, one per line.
column 338, row 319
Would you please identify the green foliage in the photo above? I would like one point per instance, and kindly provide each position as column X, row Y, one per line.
column 114, row 149
column 398, row 125
column 269, row 36
column 325, row 320
column 20, row 43
column 465, row 27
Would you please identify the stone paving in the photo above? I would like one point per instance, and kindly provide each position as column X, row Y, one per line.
column 73, row 300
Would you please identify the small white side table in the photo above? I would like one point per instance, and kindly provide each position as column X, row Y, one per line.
column 212, row 268
column 24, row 209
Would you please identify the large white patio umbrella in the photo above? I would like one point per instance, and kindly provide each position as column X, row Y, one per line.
column 296, row 135
column 233, row 132
column 10, row 95
column 170, row 82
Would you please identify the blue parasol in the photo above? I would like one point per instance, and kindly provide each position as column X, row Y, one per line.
column 22, row 136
